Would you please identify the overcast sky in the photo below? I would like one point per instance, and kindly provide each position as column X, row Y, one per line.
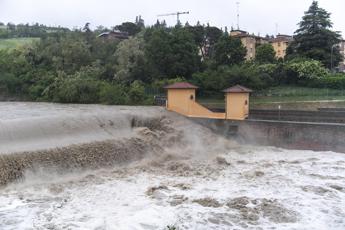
column 256, row 16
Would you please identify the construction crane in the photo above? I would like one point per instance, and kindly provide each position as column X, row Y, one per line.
column 173, row 14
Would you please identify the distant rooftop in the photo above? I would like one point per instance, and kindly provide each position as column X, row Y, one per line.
column 116, row 34
column 282, row 38
column 181, row 85
column 237, row 89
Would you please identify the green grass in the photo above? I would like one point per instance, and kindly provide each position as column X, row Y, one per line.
column 291, row 95
column 13, row 43
column 297, row 94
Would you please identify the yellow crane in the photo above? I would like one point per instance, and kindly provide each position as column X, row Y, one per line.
column 174, row 14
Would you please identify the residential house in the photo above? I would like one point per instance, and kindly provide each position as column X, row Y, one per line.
column 280, row 44
column 114, row 35
column 250, row 41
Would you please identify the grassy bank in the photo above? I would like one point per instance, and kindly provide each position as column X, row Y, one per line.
column 288, row 97
column 13, row 43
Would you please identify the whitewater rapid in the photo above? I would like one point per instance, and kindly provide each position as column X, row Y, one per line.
column 162, row 170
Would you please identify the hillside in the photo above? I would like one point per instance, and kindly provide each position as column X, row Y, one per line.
column 13, row 43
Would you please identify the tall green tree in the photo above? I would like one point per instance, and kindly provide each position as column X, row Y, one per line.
column 229, row 51
column 314, row 39
column 173, row 53
column 131, row 62
column 265, row 54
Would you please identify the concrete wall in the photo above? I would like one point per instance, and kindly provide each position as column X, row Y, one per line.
column 236, row 106
column 291, row 135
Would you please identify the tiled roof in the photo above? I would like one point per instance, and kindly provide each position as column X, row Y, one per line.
column 237, row 89
column 181, row 85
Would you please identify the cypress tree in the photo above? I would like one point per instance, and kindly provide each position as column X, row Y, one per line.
column 314, row 39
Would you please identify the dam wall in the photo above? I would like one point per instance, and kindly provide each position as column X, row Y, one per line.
column 285, row 134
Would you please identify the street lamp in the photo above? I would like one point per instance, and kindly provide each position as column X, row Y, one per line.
column 332, row 56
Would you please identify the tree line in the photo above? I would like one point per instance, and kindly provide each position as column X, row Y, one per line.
column 78, row 66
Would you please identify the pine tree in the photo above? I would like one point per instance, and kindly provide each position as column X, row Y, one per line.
column 314, row 39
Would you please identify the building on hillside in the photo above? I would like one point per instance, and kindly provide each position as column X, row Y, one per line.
column 342, row 52
column 114, row 35
column 280, row 43
column 249, row 41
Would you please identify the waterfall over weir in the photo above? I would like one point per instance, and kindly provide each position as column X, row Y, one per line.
column 68, row 138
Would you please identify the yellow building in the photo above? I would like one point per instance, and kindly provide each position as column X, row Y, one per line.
column 181, row 99
column 250, row 42
column 280, row 44
column 237, row 102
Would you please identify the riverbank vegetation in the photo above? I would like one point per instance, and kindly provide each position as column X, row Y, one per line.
column 79, row 66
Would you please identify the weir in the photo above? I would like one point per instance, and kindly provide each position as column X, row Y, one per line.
column 73, row 139
column 66, row 139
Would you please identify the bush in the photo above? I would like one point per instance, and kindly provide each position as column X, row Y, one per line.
column 307, row 69
column 113, row 94
column 335, row 81
column 10, row 83
column 72, row 90
column 137, row 93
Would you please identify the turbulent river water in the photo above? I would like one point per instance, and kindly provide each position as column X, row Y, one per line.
column 112, row 167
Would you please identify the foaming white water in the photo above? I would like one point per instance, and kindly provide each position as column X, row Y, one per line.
column 308, row 185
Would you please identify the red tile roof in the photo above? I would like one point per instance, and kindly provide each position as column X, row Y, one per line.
column 181, row 85
column 237, row 89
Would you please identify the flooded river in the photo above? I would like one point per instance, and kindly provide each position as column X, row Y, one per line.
column 110, row 167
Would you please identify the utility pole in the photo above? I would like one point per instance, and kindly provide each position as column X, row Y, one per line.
column 332, row 56
column 238, row 15
column 177, row 14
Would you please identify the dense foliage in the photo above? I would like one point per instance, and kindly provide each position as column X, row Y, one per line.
column 80, row 67
column 265, row 54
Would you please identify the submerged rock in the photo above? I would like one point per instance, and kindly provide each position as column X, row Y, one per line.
column 208, row 202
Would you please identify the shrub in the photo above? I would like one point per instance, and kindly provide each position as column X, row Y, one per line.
column 113, row 94
column 74, row 90
column 334, row 81
column 307, row 69
column 137, row 93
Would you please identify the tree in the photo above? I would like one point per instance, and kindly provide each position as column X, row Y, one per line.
column 131, row 61
column 87, row 27
column 129, row 27
column 265, row 54
column 229, row 51
column 173, row 53
column 314, row 39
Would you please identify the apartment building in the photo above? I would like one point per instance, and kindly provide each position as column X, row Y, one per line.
column 280, row 44
column 249, row 41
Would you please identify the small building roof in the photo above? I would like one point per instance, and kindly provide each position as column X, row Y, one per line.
column 181, row 85
column 237, row 89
